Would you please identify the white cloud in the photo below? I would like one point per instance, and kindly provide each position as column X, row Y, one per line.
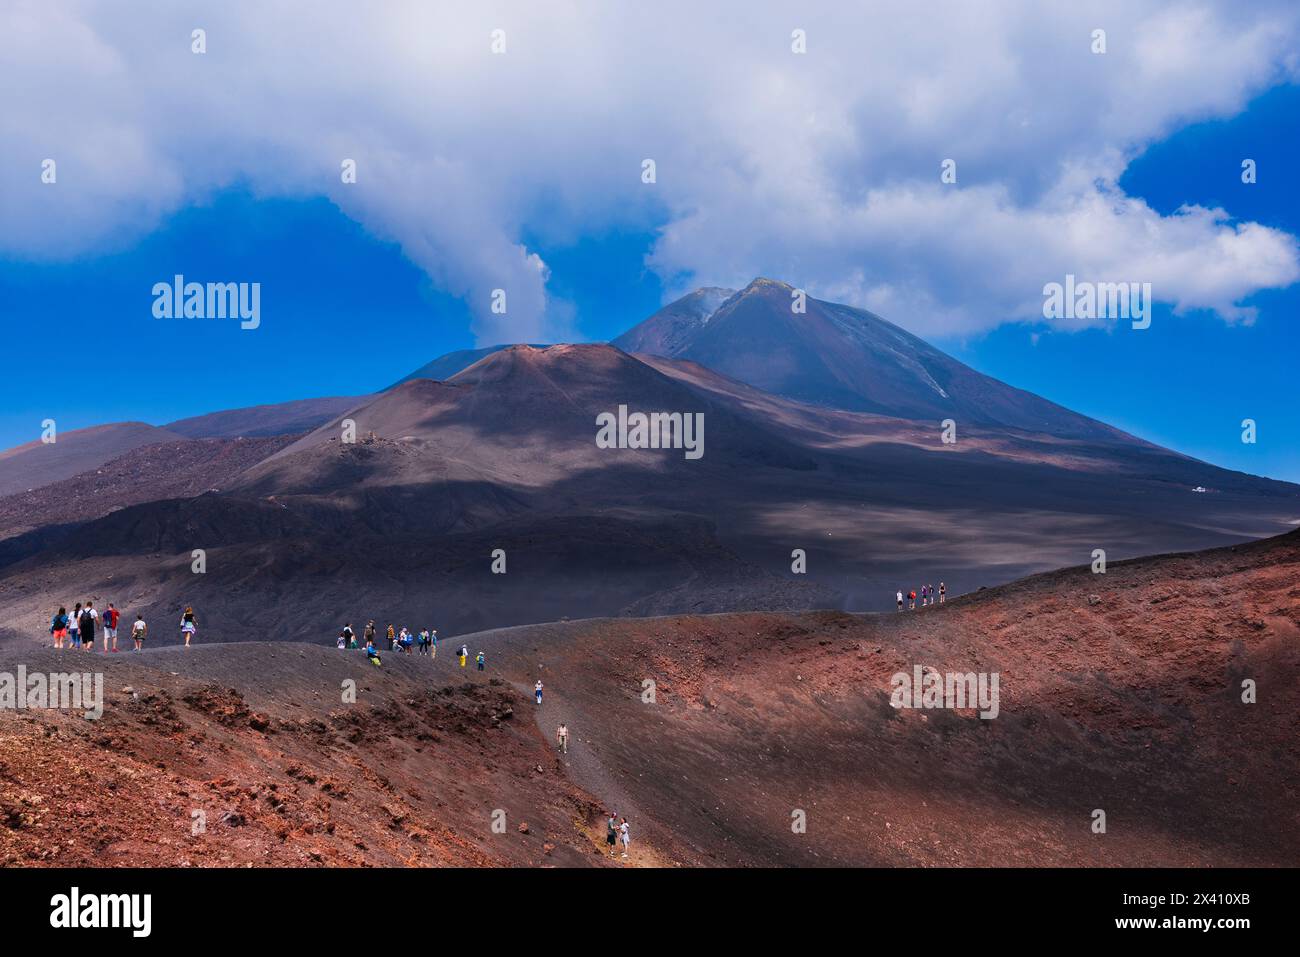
column 822, row 169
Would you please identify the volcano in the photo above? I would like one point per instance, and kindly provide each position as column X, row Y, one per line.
column 846, row 358
column 399, row 507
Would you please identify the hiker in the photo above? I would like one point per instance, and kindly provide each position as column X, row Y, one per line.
column 929, row 594
column 187, row 625
column 88, row 619
column 611, row 832
column 404, row 640
column 347, row 637
column 139, row 631
column 911, row 600
column 370, row 632
column 943, row 592
column 462, row 654
column 340, row 642
column 74, row 626
column 624, row 835
column 59, row 626
column 537, row 690
column 481, row 660
column 422, row 641
column 562, row 738
column 923, row 596
column 110, row 626
column 900, row 601
column 372, row 653
column 392, row 639
column 433, row 643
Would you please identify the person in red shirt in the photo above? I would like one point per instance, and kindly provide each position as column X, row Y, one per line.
column 110, row 625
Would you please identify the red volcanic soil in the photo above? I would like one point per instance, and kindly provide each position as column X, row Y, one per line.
column 1120, row 692
column 256, row 738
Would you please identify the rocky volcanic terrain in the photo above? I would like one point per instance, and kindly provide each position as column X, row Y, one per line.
column 1120, row 692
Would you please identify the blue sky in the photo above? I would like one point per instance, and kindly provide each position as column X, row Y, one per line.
column 805, row 171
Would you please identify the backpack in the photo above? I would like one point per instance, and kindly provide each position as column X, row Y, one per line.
column 87, row 622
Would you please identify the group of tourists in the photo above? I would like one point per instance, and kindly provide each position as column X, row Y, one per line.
column 402, row 640
column 424, row 641
column 77, row 630
column 927, row 596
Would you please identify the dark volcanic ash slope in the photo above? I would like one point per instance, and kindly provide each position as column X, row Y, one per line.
column 284, row 418
column 36, row 463
column 1120, row 692
column 146, row 474
column 403, row 524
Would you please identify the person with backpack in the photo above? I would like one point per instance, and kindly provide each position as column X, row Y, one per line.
column 59, row 626
column 110, row 626
column 347, row 636
column 462, row 653
column 89, row 617
column 139, row 631
column 537, row 690
column 369, row 634
column 74, row 626
column 422, row 641
column 372, row 653
column 188, row 625
column 900, row 601
column 911, row 600
column 481, row 660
